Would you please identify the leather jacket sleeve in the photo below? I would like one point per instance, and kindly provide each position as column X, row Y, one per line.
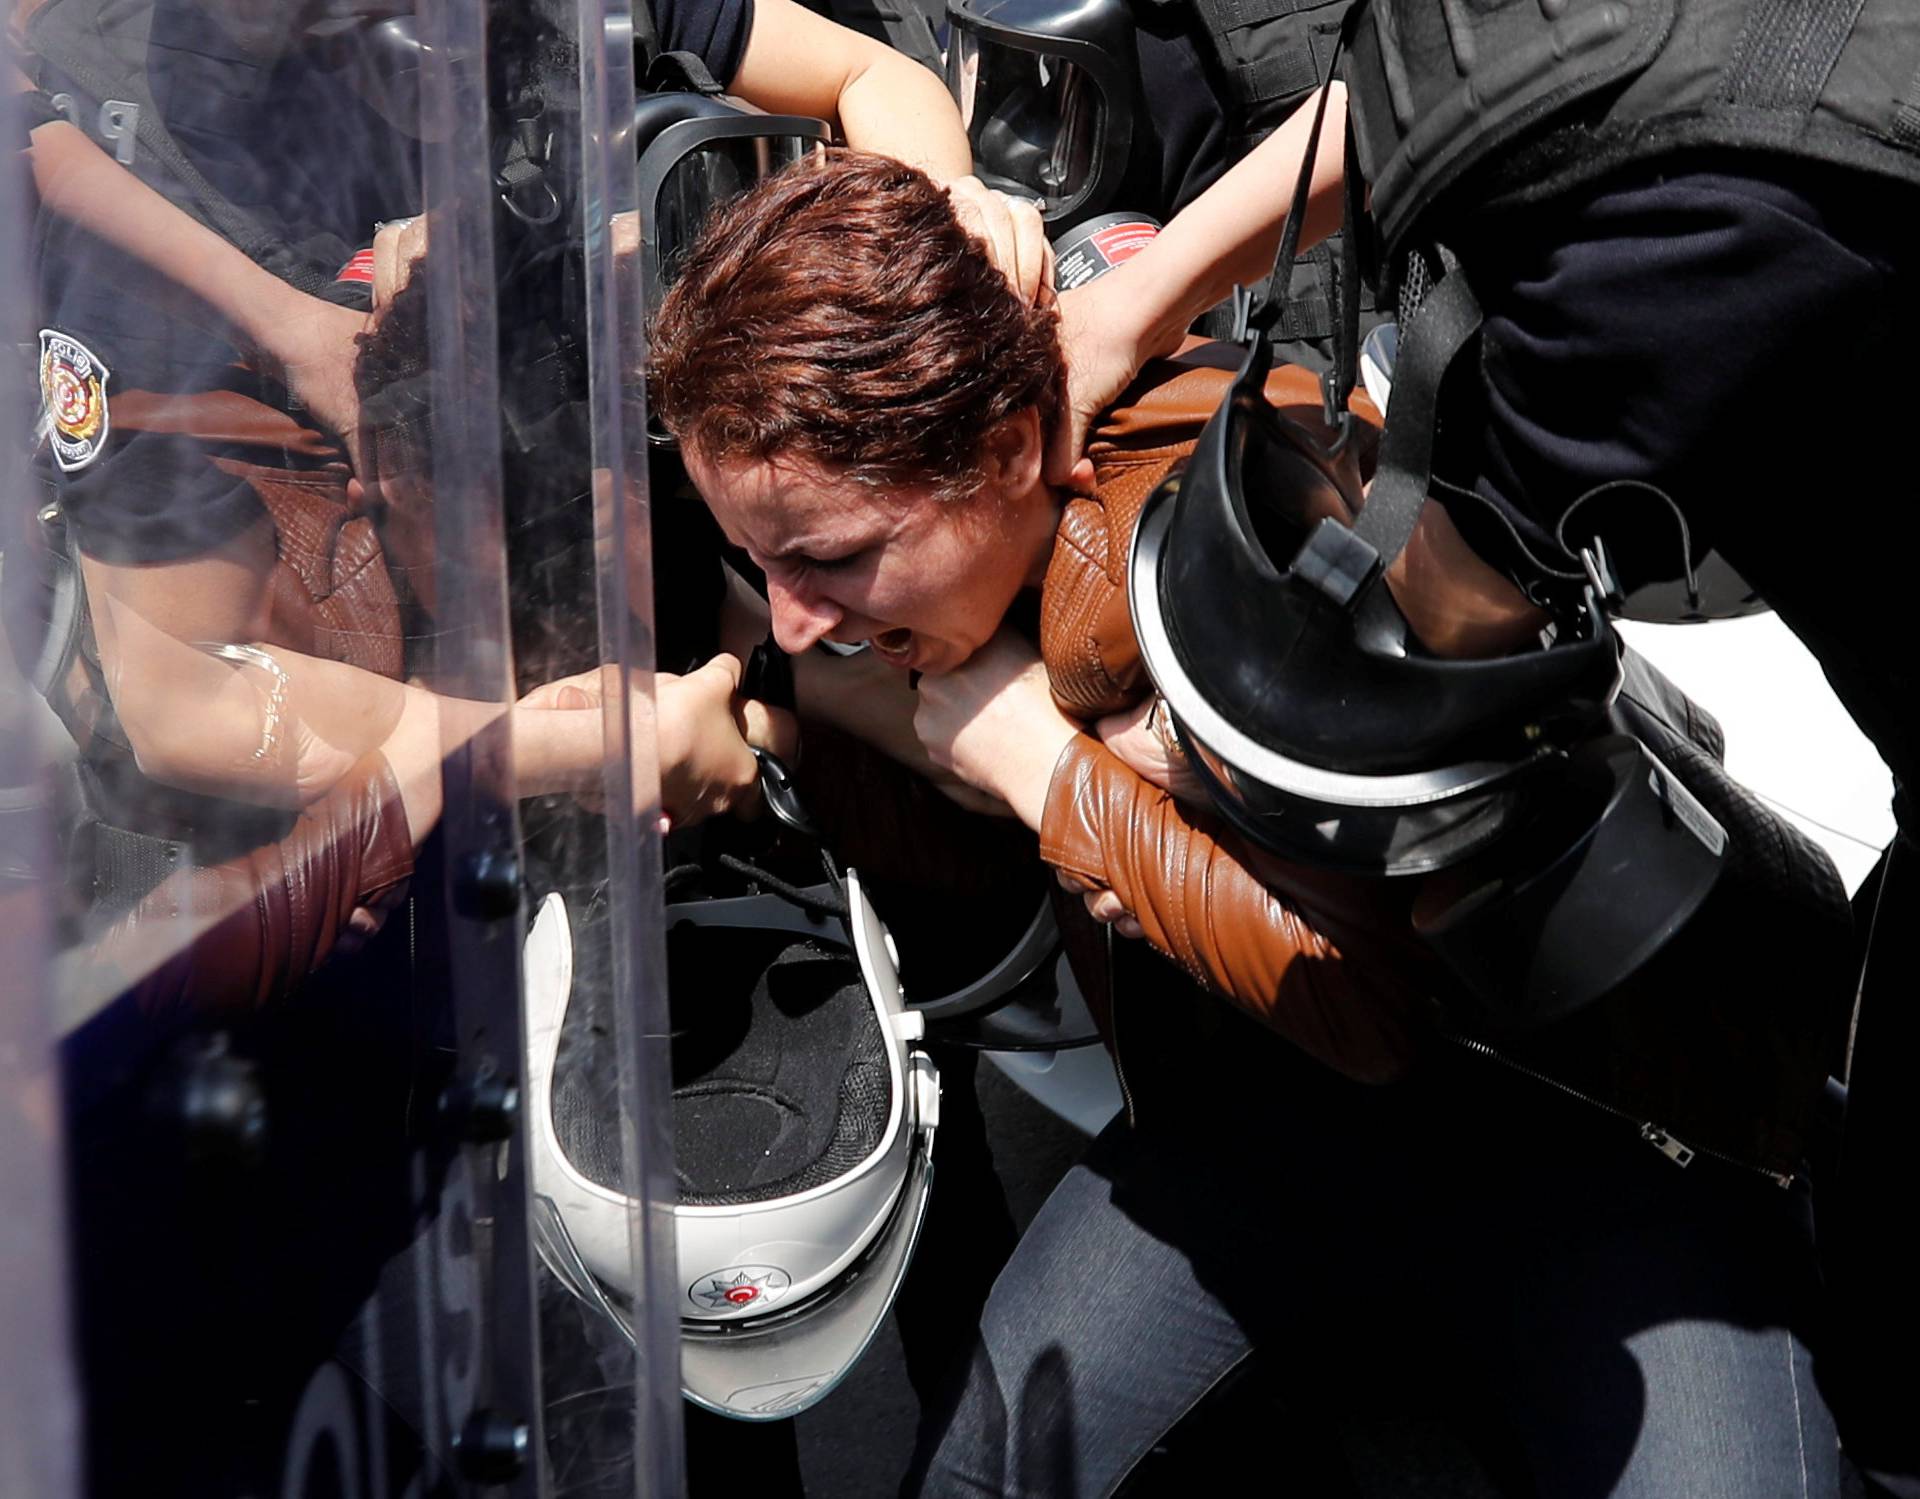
column 1198, row 902
column 1329, row 965
column 262, row 922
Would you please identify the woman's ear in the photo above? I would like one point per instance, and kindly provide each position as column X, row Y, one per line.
column 1015, row 452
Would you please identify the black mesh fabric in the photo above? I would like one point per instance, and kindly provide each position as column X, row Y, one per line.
column 588, row 1132
column 780, row 1070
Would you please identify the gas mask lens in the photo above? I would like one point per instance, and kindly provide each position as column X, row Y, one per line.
column 1034, row 119
column 708, row 177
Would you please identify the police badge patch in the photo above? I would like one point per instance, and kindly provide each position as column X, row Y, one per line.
column 73, row 389
column 740, row 1286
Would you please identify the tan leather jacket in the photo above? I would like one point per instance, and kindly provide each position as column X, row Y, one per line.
column 1300, row 950
column 1723, row 1040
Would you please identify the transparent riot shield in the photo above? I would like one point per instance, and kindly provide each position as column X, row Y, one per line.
column 39, row 1432
column 326, row 577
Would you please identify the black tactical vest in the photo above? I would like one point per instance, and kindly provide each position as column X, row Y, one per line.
column 1522, row 99
column 1268, row 56
column 97, row 60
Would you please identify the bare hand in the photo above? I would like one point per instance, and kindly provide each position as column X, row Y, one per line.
column 314, row 349
column 705, row 734
column 1014, row 234
column 992, row 722
column 707, row 764
column 398, row 247
column 1143, row 737
column 1102, row 360
column 1103, row 906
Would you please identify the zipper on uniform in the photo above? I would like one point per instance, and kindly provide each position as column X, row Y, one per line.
column 1675, row 1150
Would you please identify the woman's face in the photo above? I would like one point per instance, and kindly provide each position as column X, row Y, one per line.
column 927, row 581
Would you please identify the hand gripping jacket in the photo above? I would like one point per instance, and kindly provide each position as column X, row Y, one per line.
column 1314, row 955
column 1723, row 1042
column 1529, row 97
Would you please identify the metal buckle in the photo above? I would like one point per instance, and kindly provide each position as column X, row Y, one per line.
column 1336, row 561
column 1600, row 573
column 783, row 798
column 1336, row 413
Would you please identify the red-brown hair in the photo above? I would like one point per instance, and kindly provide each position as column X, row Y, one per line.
column 838, row 314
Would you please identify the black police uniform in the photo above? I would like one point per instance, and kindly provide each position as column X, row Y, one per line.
column 1685, row 222
column 1181, row 147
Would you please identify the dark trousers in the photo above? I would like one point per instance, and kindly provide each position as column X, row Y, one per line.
column 1741, row 332
column 1614, row 1324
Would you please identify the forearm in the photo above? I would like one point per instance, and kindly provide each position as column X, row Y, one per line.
column 799, row 63
column 1228, row 236
column 83, row 185
column 861, row 696
column 897, row 108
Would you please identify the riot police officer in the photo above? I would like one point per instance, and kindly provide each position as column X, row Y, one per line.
column 1678, row 229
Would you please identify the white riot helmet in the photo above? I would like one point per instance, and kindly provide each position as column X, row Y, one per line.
column 804, row 1111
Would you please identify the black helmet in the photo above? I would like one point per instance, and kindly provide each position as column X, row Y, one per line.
column 1046, row 90
column 1326, row 733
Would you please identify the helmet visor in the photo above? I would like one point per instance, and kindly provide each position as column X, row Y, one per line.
column 768, row 1368
column 1035, row 119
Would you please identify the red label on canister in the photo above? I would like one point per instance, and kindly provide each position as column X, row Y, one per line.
column 1088, row 251
column 1124, row 241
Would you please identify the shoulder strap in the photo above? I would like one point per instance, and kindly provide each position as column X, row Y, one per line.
column 62, row 39
column 1342, row 288
column 1342, row 562
column 679, row 73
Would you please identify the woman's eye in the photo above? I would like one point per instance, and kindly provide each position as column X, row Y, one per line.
column 830, row 564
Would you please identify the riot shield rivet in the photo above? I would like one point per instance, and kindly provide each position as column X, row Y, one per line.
column 492, row 1448
column 489, row 885
column 216, row 1099
column 483, row 1109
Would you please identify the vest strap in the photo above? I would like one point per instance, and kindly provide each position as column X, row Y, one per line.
column 1787, row 50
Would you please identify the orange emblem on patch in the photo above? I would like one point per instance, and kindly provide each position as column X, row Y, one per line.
column 73, row 388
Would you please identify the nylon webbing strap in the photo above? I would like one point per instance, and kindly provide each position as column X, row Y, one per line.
column 1906, row 115
column 1342, row 285
column 1346, row 307
column 1341, row 562
column 1786, row 51
column 1279, row 77
column 1283, row 260
column 1309, row 311
column 679, row 73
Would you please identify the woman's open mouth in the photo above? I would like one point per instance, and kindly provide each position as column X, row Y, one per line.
column 895, row 647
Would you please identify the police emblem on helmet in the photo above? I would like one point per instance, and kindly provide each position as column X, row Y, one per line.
column 73, row 388
column 739, row 1287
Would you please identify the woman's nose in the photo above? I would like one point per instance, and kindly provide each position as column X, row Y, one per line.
column 800, row 620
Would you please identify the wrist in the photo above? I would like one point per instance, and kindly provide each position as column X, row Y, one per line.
column 1025, row 778
column 1133, row 312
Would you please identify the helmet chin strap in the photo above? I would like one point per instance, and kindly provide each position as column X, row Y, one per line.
column 1341, row 561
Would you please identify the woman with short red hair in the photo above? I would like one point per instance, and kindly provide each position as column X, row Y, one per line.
column 865, row 407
